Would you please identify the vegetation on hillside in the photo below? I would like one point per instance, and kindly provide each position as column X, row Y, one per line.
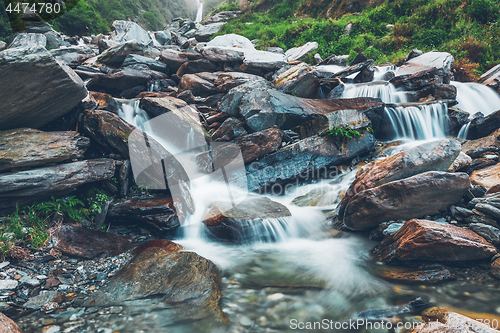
column 384, row 30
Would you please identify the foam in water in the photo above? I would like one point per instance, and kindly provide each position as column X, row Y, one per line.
column 419, row 122
column 476, row 97
column 380, row 71
column 377, row 89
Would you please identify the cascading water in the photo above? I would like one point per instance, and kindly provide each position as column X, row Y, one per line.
column 476, row 97
column 199, row 11
column 464, row 131
column 419, row 122
column 377, row 89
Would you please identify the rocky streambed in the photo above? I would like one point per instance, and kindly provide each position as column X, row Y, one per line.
column 224, row 188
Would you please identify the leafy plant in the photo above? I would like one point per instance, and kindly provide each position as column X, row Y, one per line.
column 70, row 207
column 95, row 204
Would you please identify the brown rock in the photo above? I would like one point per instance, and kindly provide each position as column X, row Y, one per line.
column 87, row 243
column 237, row 222
column 101, row 99
column 444, row 321
column 198, row 85
column 485, row 127
column 7, row 325
column 185, row 281
column 229, row 129
column 299, row 81
column 174, row 59
column 433, row 241
column 418, row 80
column 487, row 177
column 488, row 141
column 432, row 156
column 423, row 274
column 196, row 66
column 416, row 196
column 159, row 212
column 228, row 80
column 26, row 147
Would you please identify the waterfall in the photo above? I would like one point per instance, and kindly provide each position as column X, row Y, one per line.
column 380, row 71
column 377, row 89
column 419, row 122
column 206, row 189
column 464, row 131
column 199, row 11
column 476, row 97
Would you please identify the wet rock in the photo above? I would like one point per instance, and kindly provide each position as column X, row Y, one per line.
column 489, row 209
column 199, row 84
column 25, row 186
column 422, row 274
column 413, row 54
column 433, row 241
column 117, row 54
column 239, row 222
column 298, row 81
column 432, row 156
column 174, row 59
column 74, row 55
column 163, row 37
column 186, row 282
column 196, row 66
column 230, row 80
column 418, row 80
column 7, row 325
column 441, row 61
column 424, row 194
column 122, row 80
column 87, row 243
column 485, row 126
column 487, row 177
column 462, row 162
column 491, row 78
column 187, row 96
column 39, row 301
column 230, row 103
column 444, row 321
column 51, row 91
column 135, row 59
column 309, row 158
column 334, row 60
column 204, row 33
column 300, row 52
column 490, row 141
column 230, row 129
column 223, row 54
column 26, row 147
column 349, row 70
column 457, row 118
column 127, row 30
column 28, row 40
column 263, row 108
column 159, row 212
column 488, row 232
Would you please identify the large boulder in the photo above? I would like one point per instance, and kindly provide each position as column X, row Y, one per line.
column 135, row 59
column 128, row 30
column 433, row 241
column 8, row 325
column 117, row 54
column 431, row 156
column 263, row 108
column 241, row 221
column 485, row 126
column 205, row 32
column 200, row 84
column 300, row 52
column 223, row 54
column 71, row 56
column 174, row 58
column 36, row 89
column 232, row 40
column 263, row 60
column 424, row 194
column 26, row 147
column 88, row 244
column 441, row 61
column 160, row 271
column 230, row 103
column 196, row 66
column 310, row 158
column 30, row 40
column 18, row 188
column 158, row 213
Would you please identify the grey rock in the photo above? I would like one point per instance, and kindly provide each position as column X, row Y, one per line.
column 24, row 40
column 3, row 45
column 300, row 52
column 232, row 40
column 135, row 59
column 128, row 30
column 317, row 59
column 275, row 49
column 69, row 55
column 30, row 281
column 36, row 89
column 53, row 39
column 8, row 284
column 117, row 54
column 488, row 232
column 38, row 27
column 222, row 16
column 489, row 209
column 231, row 102
column 24, row 186
column 222, row 54
column 164, row 37
column 204, row 33
column 299, row 81
column 442, row 61
column 392, row 228
column 264, row 60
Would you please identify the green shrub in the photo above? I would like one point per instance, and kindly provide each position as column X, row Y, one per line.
column 484, row 10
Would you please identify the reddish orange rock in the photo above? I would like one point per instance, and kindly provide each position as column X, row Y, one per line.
column 488, row 177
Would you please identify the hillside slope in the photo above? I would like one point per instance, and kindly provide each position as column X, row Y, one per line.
column 384, row 30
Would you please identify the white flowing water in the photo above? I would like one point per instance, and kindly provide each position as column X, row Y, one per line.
column 199, row 11
column 464, row 131
column 476, row 97
column 419, row 122
column 376, row 89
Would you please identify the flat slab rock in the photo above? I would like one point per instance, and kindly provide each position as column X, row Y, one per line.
column 24, row 186
column 424, row 274
column 443, row 321
column 424, row 194
column 26, row 147
column 488, row 177
column 36, row 89
column 183, row 280
column 433, row 241
column 87, row 243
